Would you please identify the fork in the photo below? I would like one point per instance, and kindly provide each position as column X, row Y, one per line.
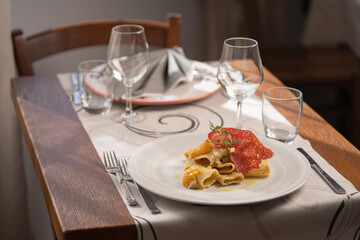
column 148, row 201
column 112, row 165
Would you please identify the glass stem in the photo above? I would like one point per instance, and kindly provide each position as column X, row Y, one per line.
column 128, row 106
column 238, row 113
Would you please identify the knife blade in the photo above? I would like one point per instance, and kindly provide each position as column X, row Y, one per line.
column 148, row 201
column 329, row 180
column 127, row 177
column 76, row 91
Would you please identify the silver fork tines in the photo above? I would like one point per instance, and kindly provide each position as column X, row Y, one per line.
column 148, row 201
column 112, row 165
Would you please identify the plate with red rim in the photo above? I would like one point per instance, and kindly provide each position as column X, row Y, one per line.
column 183, row 93
column 158, row 167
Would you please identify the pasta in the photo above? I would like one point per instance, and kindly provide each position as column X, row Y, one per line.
column 261, row 172
column 206, row 165
column 230, row 178
column 212, row 158
column 209, row 164
column 199, row 177
column 224, row 165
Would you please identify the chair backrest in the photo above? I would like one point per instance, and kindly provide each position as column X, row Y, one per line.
column 30, row 49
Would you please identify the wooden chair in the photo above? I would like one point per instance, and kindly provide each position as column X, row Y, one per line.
column 28, row 50
column 334, row 70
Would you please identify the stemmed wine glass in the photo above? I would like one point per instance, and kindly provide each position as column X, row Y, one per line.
column 128, row 57
column 240, row 70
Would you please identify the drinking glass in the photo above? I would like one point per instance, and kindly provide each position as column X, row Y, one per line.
column 282, row 109
column 96, row 84
column 128, row 57
column 240, row 70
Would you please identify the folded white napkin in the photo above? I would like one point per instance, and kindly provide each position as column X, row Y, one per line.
column 167, row 69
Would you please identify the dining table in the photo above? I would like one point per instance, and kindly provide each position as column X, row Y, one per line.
column 66, row 146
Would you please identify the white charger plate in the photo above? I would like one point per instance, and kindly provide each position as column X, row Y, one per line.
column 158, row 167
column 183, row 93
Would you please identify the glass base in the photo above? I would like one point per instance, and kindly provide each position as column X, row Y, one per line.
column 126, row 118
column 97, row 106
column 281, row 135
column 97, row 111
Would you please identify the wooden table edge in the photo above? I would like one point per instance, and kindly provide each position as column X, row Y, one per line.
column 122, row 224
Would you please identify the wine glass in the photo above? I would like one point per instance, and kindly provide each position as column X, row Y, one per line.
column 128, row 57
column 240, row 70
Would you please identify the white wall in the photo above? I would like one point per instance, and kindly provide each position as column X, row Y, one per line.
column 37, row 15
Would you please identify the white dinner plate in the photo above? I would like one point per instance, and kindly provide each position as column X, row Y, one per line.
column 183, row 93
column 158, row 167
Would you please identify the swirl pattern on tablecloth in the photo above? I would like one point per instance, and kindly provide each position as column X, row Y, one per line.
column 177, row 120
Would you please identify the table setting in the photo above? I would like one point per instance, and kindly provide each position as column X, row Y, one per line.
column 294, row 200
column 312, row 201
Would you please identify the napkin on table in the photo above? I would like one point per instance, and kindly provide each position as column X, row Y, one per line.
column 167, row 69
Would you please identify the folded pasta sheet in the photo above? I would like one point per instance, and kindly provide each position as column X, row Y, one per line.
column 199, row 177
column 212, row 158
column 206, row 165
column 224, row 165
column 205, row 147
column 230, row 178
column 261, row 172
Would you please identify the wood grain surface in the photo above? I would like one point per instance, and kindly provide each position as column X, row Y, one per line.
column 82, row 200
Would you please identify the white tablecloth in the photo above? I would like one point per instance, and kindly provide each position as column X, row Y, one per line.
column 312, row 212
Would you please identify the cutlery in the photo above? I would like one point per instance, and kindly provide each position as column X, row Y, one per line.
column 76, row 91
column 112, row 166
column 329, row 180
column 148, row 201
column 199, row 74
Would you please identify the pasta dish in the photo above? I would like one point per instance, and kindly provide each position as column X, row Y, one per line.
column 226, row 157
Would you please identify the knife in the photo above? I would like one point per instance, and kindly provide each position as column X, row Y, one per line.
column 127, row 177
column 76, row 91
column 148, row 201
column 329, row 180
column 129, row 196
